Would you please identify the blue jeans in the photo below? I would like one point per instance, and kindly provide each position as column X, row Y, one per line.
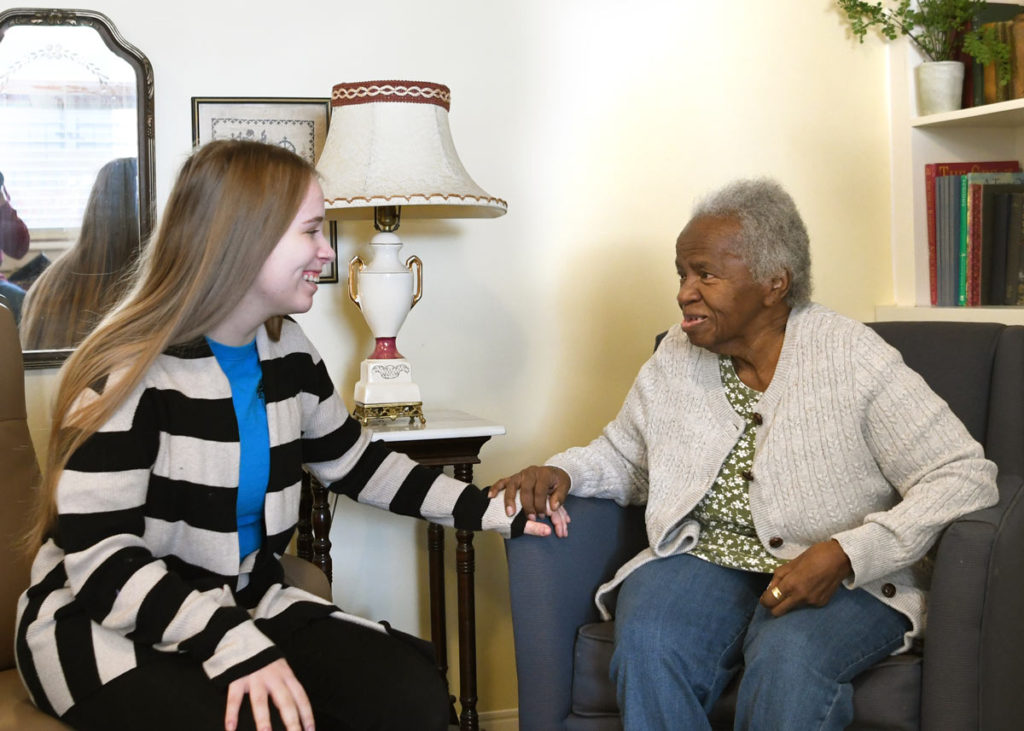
column 684, row 627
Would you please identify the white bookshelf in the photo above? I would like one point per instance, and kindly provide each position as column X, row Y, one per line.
column 1007, row 315
column 990, row 132
column 1000, row 114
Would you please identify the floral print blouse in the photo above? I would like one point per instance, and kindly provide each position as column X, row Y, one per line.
column 727, row 535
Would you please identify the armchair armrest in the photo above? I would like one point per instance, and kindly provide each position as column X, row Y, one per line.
column 973, row 673
column 552, row 583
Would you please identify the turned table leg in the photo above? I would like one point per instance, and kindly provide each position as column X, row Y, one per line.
column 304, row 541
column 438, row 629
column 320, row 520
column 465, row 564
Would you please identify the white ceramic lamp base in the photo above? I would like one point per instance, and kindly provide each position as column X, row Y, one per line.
column 386, row 381
column 387, row 290
column 385, row 390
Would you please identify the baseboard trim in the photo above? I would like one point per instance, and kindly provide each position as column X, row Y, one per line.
column 507, row 720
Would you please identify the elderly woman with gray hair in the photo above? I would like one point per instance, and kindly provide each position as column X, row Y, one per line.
column 795, row 472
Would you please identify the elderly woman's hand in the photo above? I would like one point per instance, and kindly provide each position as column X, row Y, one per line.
column 809, row 579
column 541, row 491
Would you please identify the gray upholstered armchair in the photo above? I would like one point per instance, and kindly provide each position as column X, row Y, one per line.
column 970, row 673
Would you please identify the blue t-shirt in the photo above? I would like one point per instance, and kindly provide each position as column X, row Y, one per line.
column 242, row 367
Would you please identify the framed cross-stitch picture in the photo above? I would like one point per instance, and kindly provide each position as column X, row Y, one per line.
column 298, row 124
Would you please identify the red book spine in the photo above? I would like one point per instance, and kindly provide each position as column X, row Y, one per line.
column 974, row 247
column 929, row 196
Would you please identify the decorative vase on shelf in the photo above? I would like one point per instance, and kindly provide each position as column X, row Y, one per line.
column 940, row 86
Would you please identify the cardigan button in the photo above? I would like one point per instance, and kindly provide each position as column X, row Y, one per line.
column 775, row 542
column 888, row 591
column 747, row 475
column 758, row 419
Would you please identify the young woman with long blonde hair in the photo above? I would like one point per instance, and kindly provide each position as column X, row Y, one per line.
column 181, row 427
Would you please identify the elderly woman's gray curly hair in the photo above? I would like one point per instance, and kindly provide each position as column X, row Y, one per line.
column 772, row 235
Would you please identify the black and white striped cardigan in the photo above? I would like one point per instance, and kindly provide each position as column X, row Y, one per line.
column 145, row 553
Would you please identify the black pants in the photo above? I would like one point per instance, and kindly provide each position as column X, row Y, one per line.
column 356, row 678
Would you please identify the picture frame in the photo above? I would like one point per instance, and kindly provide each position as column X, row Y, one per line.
column 329, row 274
column 296, row 123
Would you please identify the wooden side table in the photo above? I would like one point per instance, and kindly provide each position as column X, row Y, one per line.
column 449, row 438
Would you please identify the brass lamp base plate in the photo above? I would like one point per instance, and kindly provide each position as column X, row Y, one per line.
column 365, row 413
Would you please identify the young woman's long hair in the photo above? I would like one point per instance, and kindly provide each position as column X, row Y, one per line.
column 74, row 292
column 233, row 201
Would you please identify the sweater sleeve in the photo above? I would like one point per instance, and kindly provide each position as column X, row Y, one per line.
column 614, row 465
column 926, row 454
column 339, row 453
column 116, row 580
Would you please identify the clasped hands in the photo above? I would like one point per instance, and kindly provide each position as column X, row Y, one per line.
column 541, row 491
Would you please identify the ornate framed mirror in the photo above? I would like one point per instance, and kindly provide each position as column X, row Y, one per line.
column 76, row 160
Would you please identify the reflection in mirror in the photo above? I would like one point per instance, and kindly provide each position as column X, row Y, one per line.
column 76, row 138
column 69, row 298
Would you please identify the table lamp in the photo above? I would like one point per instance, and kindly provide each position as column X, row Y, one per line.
column 388, row 148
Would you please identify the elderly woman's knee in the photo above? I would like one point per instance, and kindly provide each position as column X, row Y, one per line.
column 643, row 636
column 651, row 647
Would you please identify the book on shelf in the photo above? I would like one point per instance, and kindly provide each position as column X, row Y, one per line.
column 1017, row 57
column 1004, row 92
column 975, row 79
column 960, row 241
column 1014, row 260
column 932, row 171
column 979, row 237
column 1008, row 230
column 989, row 81
column 993, row 90
column 947, row 222
column 995, row 286
column 995, row 216
column 976, row 240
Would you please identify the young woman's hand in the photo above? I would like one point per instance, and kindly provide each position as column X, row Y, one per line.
column 541, row 491
column 559, row 523
column 278, row 682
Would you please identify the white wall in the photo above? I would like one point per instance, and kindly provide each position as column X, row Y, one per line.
column 600, row 122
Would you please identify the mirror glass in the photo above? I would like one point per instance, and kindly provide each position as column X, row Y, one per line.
column 76, row 160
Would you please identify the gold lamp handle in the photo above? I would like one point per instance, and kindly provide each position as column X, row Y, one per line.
column 355, row 265
column 414, row 265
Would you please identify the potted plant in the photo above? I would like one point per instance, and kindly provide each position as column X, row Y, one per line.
column 942, row 30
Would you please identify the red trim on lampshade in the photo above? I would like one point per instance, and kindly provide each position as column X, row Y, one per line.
column 409, row 92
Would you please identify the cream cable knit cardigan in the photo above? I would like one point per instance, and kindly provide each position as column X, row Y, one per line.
column 854, row 446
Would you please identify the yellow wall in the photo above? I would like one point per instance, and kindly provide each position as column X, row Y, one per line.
column 600, row 122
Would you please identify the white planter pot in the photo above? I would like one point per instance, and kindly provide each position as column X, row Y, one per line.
column 940, row 86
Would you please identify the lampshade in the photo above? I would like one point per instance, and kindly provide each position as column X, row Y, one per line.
column 389, row 145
